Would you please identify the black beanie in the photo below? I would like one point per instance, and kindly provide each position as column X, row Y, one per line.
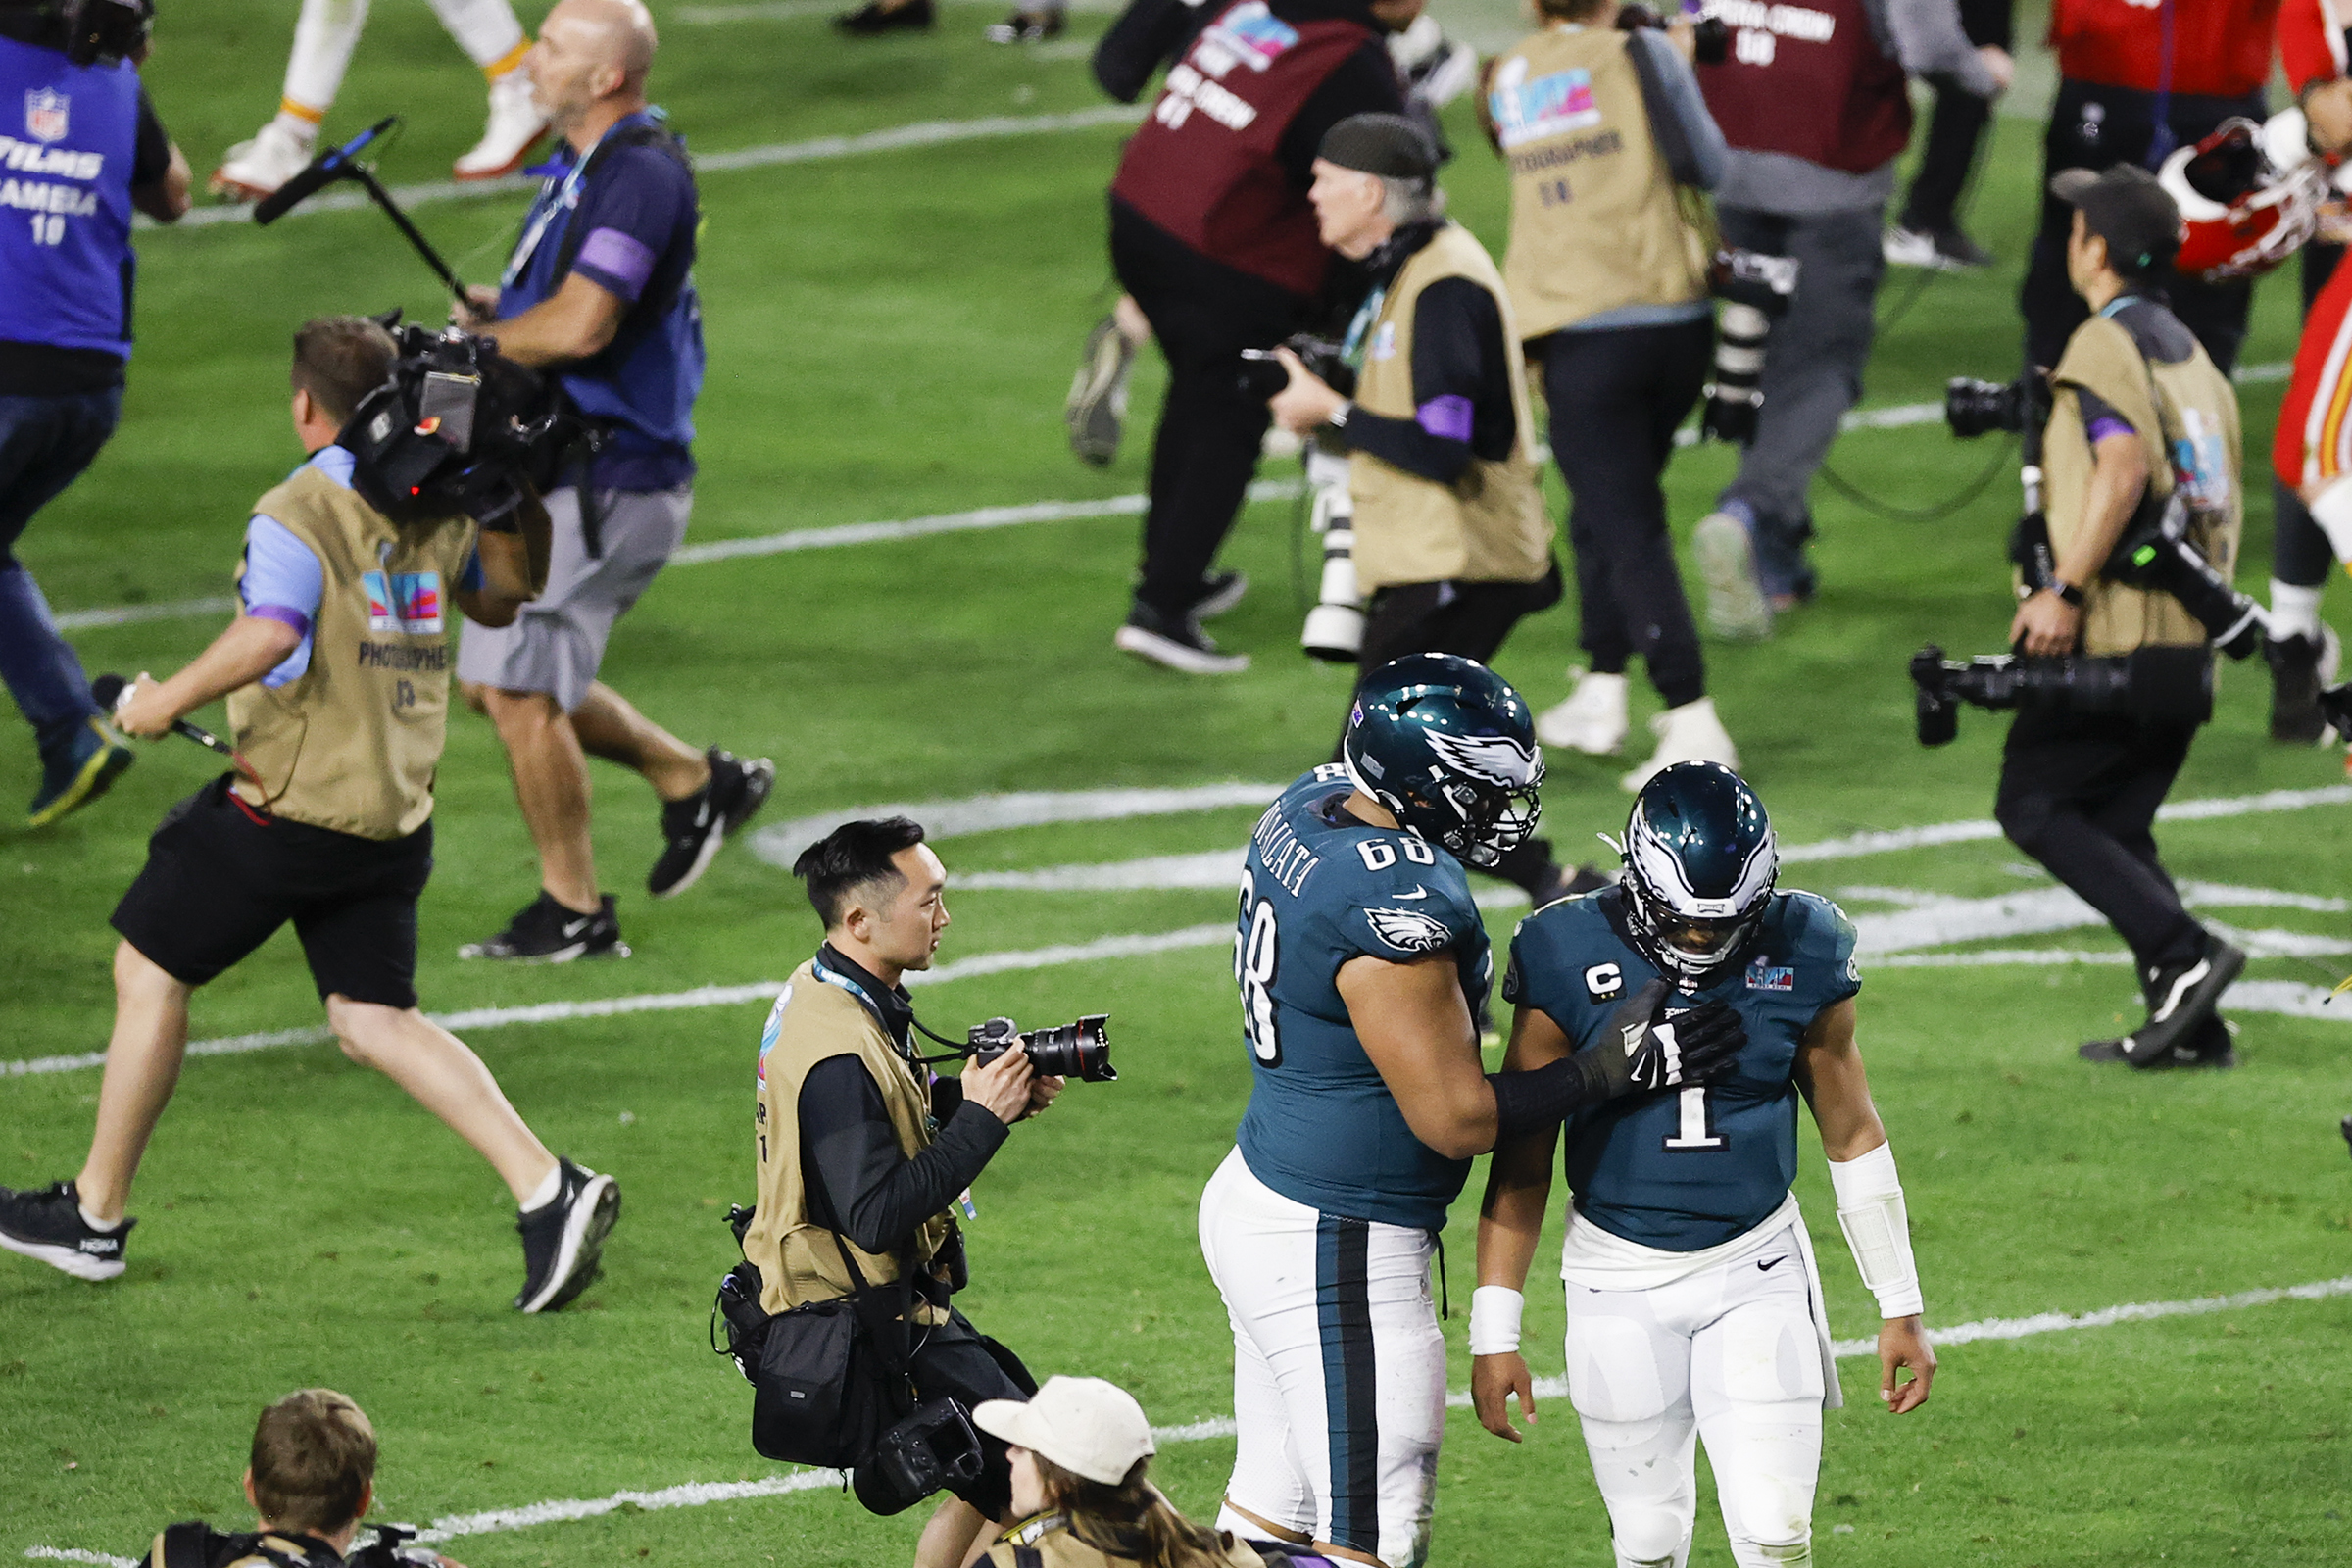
column 1388, row 145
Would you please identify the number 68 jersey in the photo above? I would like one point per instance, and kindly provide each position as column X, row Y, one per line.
column 1696, row 1168
column 1318, row 889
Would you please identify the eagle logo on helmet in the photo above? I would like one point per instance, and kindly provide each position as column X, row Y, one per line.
column 1491, row 758
column 2250, row 197
column 1409, row 930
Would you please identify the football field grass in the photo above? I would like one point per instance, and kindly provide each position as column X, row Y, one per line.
column 891, row 333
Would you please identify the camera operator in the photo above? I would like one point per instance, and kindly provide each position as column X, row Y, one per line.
column 91, row 151
column 863, row 1150
column 310, row 1481
column 2135, row 82
column 2080, row 790
column 1816, row 109
column 1211, row 235
column 1610, row 290
column 337, row 677
column 1453, row 542
column 600, row 290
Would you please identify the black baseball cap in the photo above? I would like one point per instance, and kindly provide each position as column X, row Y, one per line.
column 1388, row 145
column 2128, row 208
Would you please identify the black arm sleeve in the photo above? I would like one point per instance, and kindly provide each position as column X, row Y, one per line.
column 150, row 156
column 1527, row 1101
column 858, row 1180
column 1364, row 84
column 1457, row 355
column 1146, row 36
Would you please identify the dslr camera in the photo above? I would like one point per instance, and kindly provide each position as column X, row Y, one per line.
column 1974, row 408
column 2165, row 685
column 1263, row 374
column 1080, row 1050
column 390, row 1550
column 1755, row 289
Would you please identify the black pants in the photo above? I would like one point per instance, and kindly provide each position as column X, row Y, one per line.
column 1958, row 126
column 1202, row 313
column 1616, row 400
column 1471, row 619
column 2095, row 127
column 956, row 1361
column 2079, row 793
column 2300, row 554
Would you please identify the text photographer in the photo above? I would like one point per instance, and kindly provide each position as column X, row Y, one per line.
column 863, row 1150
column 2140, row 421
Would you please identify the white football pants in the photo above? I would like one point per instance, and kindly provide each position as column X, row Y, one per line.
column 329, row 30
column 1729, row 1355
column 1339, row 1369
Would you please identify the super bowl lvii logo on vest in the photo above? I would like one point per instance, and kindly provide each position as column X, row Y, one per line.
column 403, row 601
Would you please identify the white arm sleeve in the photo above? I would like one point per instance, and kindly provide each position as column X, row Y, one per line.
column 1495, row 1316
column 1876, row 1226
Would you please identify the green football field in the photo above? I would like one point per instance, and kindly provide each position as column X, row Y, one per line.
column 892, row 324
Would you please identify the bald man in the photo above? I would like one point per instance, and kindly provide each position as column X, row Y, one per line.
column 600, row 290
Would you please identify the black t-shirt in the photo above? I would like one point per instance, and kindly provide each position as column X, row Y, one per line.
column 1462, row 399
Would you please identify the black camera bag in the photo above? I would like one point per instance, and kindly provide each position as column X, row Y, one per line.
column 829, row 1378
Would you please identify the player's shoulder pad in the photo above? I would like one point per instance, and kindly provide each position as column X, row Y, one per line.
column 1818, row 932
column 1411, row 899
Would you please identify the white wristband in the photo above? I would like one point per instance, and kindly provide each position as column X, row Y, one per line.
column 1494, row 1314
column 2332, row 510
column 1877, row 1228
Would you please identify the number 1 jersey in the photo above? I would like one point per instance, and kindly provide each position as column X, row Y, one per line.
column 1319, row 889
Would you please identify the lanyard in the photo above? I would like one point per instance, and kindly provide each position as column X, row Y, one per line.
column 553, row 198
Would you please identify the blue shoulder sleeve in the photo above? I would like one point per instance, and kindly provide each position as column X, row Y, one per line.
column 1545, row 975
column 1826, row 949
column 1405, row 909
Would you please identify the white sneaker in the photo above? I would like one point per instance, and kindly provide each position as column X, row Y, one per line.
column 1736, row 607
column 1690, row 733
column 1593, row 718
column 514, row 128
column 257, row 167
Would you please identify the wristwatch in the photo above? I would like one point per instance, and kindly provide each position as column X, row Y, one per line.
column 1339, row 417
column 2067, row 591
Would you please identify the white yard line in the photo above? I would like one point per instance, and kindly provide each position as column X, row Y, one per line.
column 695, row 1494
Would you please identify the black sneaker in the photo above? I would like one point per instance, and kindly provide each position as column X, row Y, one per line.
column 564, row 1239
column 1028, row 26
column 696, row 826
column 544, row 931
column 1176, row 642
column 2213, row 1046
column 48, row 1225
column 871, row 18
column 2345, row 1127
column 2299, row 666
column 2181, row 997
column 1095, row 410
column 1220, row 592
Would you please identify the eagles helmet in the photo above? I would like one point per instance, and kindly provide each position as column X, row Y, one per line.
column 1699, row 865
column 1449, row 749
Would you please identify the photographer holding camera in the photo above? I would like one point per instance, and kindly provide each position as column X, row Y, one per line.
column 2140, row 419
column 863, row 1150
column 336, row 671
column 86, row 153
column 310, row 1481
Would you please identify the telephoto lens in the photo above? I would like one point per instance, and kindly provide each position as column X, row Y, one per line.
column 1974, row 408
column 1080, row 1050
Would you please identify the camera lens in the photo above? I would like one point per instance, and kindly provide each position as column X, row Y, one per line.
column 1080, row 1050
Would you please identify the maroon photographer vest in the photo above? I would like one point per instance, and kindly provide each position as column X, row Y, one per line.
column 1809, row 81
column 1203, row 166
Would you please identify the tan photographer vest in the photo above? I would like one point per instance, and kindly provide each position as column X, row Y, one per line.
column 1490, row 525
column 352, row 743
column 814, row 1022
column 1596, row 221
column 2198, row 406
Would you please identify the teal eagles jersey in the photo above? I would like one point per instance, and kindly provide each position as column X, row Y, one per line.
column 1317, row 890
column 1690, row 1168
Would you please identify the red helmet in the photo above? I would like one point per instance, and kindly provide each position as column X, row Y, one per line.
column 2243, row 210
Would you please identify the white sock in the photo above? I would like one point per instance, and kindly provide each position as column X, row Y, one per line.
column 545, row 1193
column 486, row 29
column 94, row 1222
column 323, row 39
column 2295, row 611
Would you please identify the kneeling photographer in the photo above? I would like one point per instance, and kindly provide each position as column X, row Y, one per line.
column 2116, row 671
column 840, row 1313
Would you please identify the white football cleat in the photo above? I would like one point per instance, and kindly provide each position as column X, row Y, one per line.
column 514, row 128
column 1690, row 733
column 257, row 167
column 1591, row 720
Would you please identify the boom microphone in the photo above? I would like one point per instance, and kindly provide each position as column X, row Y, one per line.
column 110, row 690
column 324, row 170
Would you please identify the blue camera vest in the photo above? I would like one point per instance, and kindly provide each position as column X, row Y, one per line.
column 69, row 137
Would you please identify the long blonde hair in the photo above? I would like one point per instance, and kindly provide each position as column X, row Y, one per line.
column 1130, row 1516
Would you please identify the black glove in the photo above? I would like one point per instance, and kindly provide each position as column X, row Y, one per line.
column 1638, row 1053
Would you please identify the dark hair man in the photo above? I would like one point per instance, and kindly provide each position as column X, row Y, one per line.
column 311, row 1481
column 2140, row 417
column 1814, row 104
column 863, row 1150
column 2135, row 82
column 1211, row 235
column 600, row 289
column 1364, row 968
column 336, row 672
column 88, row 151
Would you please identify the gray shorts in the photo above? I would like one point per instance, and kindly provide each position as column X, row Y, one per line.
column 557, row 643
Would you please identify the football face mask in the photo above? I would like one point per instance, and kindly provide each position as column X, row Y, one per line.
column 1700, row 862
